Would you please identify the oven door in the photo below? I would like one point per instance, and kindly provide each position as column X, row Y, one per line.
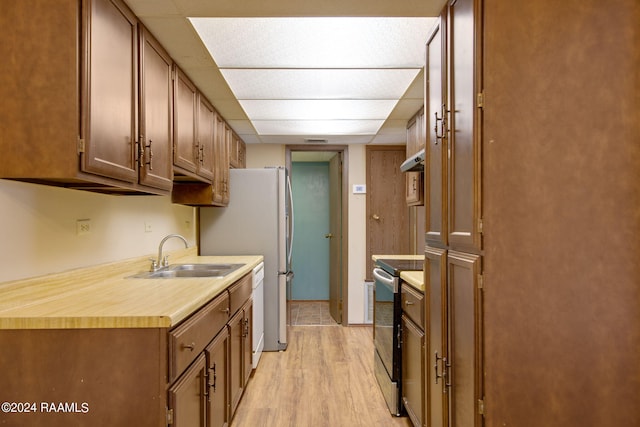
column 386, row 325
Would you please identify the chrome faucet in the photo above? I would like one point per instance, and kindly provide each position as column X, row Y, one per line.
column 160, row 262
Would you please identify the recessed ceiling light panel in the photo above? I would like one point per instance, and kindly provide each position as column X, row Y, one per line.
column 317, row 127
column 315, row 42
column 317, row 109
column 319, row 83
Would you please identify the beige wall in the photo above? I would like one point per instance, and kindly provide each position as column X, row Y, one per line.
column 261, row 155
column 38, row 228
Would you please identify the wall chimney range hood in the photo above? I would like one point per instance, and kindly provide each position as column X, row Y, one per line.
column 414, row 163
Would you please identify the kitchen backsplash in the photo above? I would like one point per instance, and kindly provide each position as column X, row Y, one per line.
column 47, row 229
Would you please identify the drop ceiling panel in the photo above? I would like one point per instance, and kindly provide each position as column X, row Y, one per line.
column 317, row 127
column 314, row 42
column 318, row 83
column 316, row 109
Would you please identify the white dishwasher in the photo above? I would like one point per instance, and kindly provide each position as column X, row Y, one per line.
column 258, row 313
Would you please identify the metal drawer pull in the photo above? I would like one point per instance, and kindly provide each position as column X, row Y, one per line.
column 409, row 302
column 189, row 346
column 224, row 310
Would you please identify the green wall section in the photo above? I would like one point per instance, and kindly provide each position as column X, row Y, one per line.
column 310, row 257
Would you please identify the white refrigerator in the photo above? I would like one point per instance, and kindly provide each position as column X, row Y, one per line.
column 257, row 221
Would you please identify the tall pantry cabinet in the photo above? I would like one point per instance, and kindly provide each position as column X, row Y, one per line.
column 453, row 230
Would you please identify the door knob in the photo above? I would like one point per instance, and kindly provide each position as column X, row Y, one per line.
column 375, row 216
column 328, row 236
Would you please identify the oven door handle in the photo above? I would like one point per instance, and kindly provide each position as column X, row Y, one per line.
column 384, row 278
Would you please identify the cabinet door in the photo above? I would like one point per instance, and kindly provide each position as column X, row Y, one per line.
column 435, row 295
column 247, row 348
column 413, row 372
column 414, row 191
column 465, row 340
column 185, row 116
column 218, row 366
column 464, row 138
column 236, row 377
column 221, row 179
column 186, row 396
column 156, row 114
column 242, row 154
column 206, row 123
column 435, row 168
column 224, row 164
column 110, row 91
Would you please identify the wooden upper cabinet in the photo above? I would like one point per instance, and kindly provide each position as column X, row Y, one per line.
column 237, row 152
column 415, row 142
column 205, row 143
column 184, row 125
column 453, row 100
column 70, row 109
column 465, row 102
column 221, row 180
column 111, row 77
column 436, row 160
column 156, row 113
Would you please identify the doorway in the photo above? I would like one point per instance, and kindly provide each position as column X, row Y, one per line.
column 319, row 256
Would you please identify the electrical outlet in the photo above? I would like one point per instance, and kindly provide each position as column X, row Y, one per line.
column 147, row 227
column 83, row 226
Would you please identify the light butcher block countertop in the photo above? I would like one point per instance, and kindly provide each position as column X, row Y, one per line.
column 105, row 297
column 414, row 278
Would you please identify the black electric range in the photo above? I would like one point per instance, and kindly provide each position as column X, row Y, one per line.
column 386, row 327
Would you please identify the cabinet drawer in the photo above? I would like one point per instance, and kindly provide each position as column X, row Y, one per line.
column 189, row 339
column 239, row 293
column 413, row 303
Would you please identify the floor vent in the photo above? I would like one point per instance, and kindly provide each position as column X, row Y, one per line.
column 368, row 302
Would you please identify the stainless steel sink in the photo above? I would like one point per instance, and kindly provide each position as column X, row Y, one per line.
column 198, row 267
column 189, row 270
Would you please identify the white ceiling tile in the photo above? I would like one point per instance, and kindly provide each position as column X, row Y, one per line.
column 318, row 109
column 318, row 83
column 315, row 42
column 317, row 127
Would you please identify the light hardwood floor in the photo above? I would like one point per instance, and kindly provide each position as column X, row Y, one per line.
column 324, row 378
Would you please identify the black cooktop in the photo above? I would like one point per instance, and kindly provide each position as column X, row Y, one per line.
column 396, row 266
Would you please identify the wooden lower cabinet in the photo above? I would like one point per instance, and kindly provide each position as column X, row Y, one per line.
column 455, row 391
column 185, row 396
column 413, row 371
column 143, row 377
column 218, row 380
column 435, row 288
column 240, row 332
column 102, row 377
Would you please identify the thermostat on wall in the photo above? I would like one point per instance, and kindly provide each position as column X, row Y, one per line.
column 359, row 189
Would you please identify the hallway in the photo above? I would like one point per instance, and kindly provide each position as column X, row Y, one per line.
column 324, row 378
column 311, row 313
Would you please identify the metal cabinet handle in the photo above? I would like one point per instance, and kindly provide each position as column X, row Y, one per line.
column 215, row 377
column 150, row 162
column 409, row 302
column 224, row 310
column 443, row 125
column 328, row 236
column 375, row 216
column 189, row 346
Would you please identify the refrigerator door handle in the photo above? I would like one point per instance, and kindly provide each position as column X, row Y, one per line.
column 292, row 222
